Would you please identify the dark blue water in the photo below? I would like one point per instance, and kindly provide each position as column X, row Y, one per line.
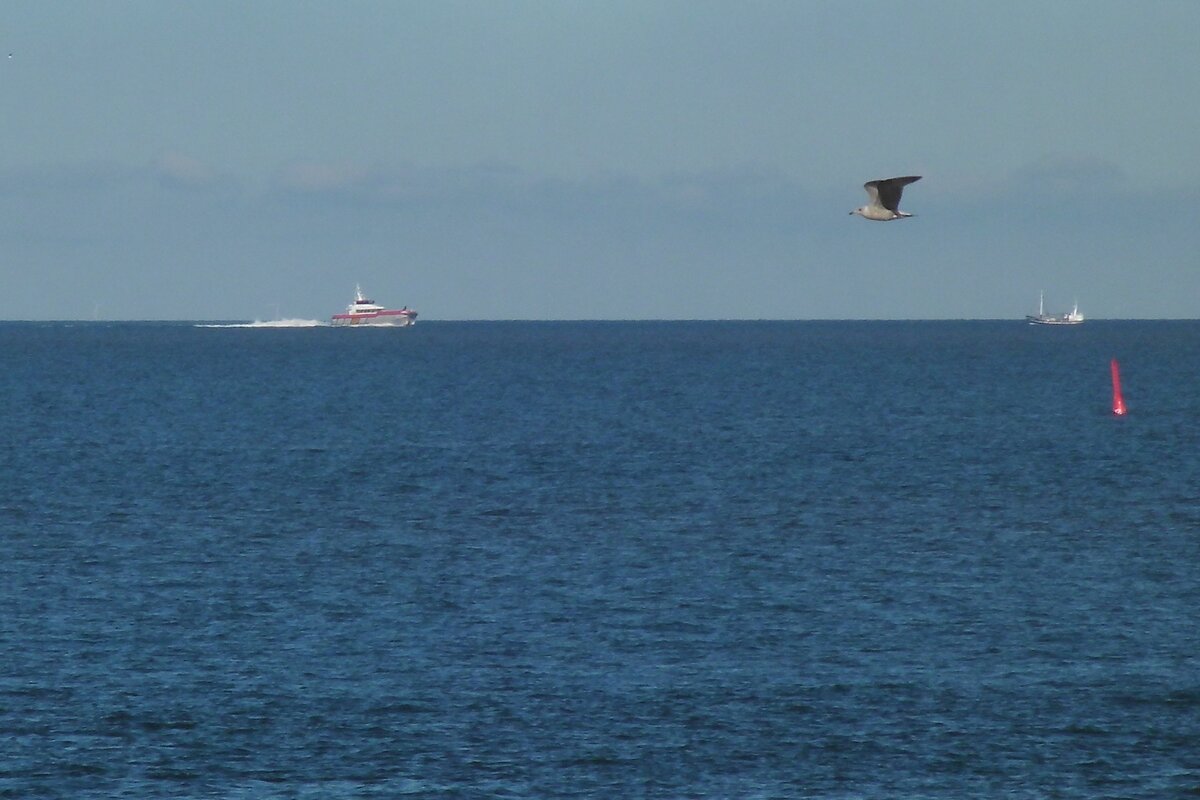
column 600, row 560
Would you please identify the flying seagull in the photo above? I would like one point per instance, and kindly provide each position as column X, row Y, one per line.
column 885, row 199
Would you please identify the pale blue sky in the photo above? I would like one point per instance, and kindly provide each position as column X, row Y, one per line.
column 565, row 160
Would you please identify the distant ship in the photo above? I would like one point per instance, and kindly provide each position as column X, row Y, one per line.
column 364, row 311
column 1042, row 318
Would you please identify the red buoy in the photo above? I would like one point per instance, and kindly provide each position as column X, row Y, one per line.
column 1118, row 401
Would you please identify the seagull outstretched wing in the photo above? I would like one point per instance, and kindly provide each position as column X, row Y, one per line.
column 886, row 192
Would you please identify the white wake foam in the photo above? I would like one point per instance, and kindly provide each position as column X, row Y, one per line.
column 274, row 323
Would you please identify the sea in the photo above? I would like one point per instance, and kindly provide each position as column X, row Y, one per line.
column 702, row 559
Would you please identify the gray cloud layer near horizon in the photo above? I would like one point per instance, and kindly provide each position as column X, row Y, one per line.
column 494, row 242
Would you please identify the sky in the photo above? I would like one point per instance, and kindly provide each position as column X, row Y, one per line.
column 627, row 159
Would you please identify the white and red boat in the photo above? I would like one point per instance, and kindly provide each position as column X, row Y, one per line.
column 364, row 311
